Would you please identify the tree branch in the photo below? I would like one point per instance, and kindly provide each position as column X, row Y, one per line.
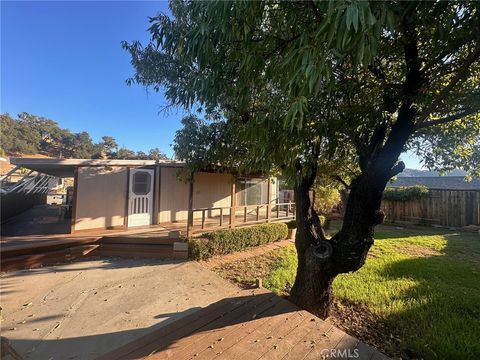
column 397, row 169
column 462, row 72
column 446, row 119
column 340, row 180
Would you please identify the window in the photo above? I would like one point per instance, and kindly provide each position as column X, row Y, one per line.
column 141, row 183
column 251, row 191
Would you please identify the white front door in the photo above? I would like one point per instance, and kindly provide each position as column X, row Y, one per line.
column 140, row 197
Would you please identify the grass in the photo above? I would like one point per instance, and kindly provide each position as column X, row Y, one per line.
column 422, row 285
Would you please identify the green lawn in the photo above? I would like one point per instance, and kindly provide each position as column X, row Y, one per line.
column 422, row 284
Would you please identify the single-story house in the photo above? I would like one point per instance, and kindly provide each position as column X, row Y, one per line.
column 437, row 182
column 118, row 194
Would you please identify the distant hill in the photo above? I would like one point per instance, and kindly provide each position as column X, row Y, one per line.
column 31, row 134
column 427, row 173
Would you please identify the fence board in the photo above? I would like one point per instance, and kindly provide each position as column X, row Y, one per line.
column 443, row 207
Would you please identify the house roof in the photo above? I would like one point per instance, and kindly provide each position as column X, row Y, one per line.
column 438, row 182
column 66, row 167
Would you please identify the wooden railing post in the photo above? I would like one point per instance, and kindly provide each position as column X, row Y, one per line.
column 258, row 212
column 190, row 209
column 269, row 195
column 233, row 202
column 203, row 219
column 245, row 214
column 221, row 216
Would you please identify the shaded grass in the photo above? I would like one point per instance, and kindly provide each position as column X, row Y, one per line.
column 422, row 284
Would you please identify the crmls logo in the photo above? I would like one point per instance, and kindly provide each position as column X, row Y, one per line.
column 340, row 353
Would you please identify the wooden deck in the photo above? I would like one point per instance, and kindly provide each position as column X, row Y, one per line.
column 252, row 324
column 157, row 241
column 23, row 252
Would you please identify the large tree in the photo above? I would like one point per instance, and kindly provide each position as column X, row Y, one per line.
column 338, row 88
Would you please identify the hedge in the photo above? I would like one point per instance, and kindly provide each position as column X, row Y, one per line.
column 404, row 193
column 227, row 241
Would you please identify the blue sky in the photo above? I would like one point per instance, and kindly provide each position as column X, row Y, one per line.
column 63, row 60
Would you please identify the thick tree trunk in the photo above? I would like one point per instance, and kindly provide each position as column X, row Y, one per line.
column 312, row 288
column 321, row 260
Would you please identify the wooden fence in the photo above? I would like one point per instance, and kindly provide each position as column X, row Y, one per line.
column 442, row 207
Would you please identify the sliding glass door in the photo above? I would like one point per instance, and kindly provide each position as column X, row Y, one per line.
column 251, row 191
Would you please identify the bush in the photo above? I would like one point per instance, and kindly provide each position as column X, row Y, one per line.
column 326, row 199
column 231, row 240
column 405, row 193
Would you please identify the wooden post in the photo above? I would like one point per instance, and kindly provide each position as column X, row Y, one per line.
column 221, row 216
column 156, row 196
column 258, row 212
column 245, row 214
column 269, row 195
column 233, row 204
column 203, row 219
column 74, row 201
column 190, row 209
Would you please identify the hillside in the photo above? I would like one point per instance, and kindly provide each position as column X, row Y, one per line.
column 427, row 173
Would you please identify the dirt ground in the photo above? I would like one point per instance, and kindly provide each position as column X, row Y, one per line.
column 84, row 309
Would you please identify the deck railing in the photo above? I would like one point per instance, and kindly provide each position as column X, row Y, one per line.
column 247, row 214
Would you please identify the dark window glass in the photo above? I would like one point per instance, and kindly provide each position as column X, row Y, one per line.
column 141, row 183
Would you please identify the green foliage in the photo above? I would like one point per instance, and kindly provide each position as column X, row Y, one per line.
column 289, row 85
column 227, row 241
column 31, row 134
column 326, row 199
column 282, row 275
column 404, row 193
column 415, row 281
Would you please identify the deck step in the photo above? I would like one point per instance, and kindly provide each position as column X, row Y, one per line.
column 30, row 261
column 138, row 240
column 39, row 247
column 140, row 250
column 52, row 252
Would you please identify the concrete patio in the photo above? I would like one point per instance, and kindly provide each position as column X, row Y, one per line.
column 85, row 309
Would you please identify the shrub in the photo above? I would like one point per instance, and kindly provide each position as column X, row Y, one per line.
column 326, row 199
column 227, row 241
column 405, row 193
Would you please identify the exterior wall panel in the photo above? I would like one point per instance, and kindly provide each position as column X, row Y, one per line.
column 101, row 197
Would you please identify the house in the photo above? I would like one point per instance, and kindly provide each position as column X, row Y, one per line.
column 437, row 182
column 120, row 194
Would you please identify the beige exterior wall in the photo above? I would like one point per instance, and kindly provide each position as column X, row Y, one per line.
column 209, row 190
column 101, row 197
column 173, row 204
